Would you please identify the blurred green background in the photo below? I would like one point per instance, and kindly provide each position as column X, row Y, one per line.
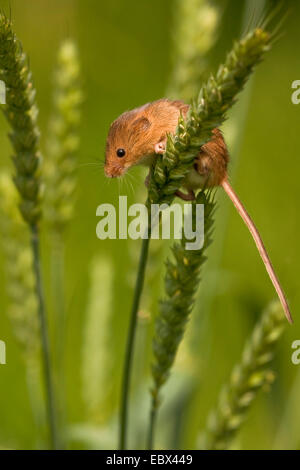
column 125, row 52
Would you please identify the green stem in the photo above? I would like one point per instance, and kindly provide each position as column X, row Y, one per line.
column 57, row 281
column 130, row 340
column 151, row 431
column 57, row 274
column 44, row 339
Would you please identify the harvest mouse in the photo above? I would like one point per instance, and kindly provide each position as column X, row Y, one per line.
column 137, row 136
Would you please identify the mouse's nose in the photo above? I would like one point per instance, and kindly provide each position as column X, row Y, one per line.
column 107, row 172
column 112, row 171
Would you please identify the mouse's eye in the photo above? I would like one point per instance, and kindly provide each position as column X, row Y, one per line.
column 121, row 153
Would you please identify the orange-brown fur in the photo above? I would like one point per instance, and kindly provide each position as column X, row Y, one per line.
column 212, row 160
column 142, row 133
column 138, row 131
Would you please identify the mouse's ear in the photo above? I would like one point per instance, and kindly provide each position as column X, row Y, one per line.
column 141, row 124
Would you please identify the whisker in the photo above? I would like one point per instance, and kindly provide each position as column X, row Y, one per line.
column 133, row 177
column 125, row 183
column 129, row 182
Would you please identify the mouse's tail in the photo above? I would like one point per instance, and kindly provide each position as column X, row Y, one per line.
column 260, row 246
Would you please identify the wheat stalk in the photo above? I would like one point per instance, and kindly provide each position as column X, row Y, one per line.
column 21, row 113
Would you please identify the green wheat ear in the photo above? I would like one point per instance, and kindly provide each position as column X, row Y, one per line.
column 21, row 113
column 247, row 379
column 15, row 241
column 206, row 112
column 181, row 282
column 22, row 310
column 63, row 139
